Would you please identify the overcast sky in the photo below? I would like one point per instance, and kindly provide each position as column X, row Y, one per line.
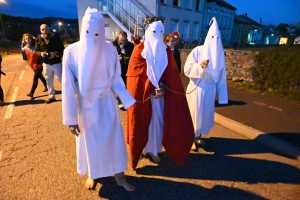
column 271, row 11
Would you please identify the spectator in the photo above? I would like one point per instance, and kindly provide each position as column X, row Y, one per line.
column 50, row 48
column 34, row 61
column 124, row 48
column 91, row 78
column 136, row 40
column 170, row 41
column 1, row 90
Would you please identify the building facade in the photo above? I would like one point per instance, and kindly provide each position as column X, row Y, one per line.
column 189, row 17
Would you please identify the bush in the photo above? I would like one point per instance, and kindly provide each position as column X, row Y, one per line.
column 278, row 70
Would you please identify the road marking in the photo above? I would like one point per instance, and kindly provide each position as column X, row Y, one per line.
column 21, row 75
column 268, row 106
column 0, row 155
column 10, row 107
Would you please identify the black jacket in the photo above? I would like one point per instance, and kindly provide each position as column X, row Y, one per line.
column 125, row 57
column 54, row 45
column 176, row 54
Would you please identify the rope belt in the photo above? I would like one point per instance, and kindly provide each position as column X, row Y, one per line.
column 181, row 93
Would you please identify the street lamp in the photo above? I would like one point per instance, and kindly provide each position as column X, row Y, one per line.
column 59, row 25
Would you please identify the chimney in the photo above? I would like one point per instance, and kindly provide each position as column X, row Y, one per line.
column 246, row 14
column 260, row 20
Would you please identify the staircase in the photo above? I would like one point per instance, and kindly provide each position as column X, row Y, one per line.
column 124, row 13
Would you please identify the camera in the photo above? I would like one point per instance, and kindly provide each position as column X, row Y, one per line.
column 46, row 54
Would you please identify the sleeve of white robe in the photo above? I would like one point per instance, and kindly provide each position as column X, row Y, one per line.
column 192, row 68
column 119, row 86
column 69, row 104
column 222, row 88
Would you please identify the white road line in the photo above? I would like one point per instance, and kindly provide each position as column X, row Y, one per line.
column 0, row 155
column 10, row 107
column 21, row 75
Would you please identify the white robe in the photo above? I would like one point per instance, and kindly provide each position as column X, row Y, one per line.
column 100, row 146
column 202, row 100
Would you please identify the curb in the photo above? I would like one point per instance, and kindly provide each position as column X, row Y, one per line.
column 279, row 145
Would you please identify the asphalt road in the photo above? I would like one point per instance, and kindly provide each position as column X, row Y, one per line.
column 271, row 115
column 38, row 161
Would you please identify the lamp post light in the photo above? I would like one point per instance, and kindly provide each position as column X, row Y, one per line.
column 59, row 25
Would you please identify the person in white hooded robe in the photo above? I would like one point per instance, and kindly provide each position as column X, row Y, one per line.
column 91, row 79
column 206, row 69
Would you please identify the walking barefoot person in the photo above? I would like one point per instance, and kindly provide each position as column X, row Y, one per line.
column 91, row 78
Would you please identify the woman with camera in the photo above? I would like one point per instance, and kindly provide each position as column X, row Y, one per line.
column 34, row 61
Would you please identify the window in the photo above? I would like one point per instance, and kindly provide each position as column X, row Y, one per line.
column 198, row 5
column 208, row 17
column 174, row 26
column 163, row 1
column 228, row 21
column 175, row 2
column 220, row 21
column 185, row 34
column 188, row 4
column 224, row 21
column 195, row 31
column 215, row 12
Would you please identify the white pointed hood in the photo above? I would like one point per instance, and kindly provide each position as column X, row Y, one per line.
column 92, row 76
column 213, row 50
column 155, row 52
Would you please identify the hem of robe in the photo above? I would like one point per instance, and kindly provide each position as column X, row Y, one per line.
column 107, row 170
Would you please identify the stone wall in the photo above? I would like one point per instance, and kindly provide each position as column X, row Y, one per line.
column 239, row 63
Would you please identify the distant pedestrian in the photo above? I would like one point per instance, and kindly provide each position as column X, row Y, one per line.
column 124, row 48
column 1, row 90
column 91, row 78
column 50, row 48
column 34, row 61
column 170, row 41
column 205, row 66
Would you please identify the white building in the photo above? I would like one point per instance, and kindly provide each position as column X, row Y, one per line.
column 224, row 14
column 189, row 17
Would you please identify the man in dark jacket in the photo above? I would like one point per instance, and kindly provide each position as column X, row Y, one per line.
column 124, row 48
column 50, row 48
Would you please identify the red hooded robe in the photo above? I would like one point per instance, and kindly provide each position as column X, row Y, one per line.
column 178, row 131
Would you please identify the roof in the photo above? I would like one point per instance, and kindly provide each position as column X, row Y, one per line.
column 222, row 3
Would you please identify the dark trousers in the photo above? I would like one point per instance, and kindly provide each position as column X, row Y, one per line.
column 1, row 94
column 37, row 75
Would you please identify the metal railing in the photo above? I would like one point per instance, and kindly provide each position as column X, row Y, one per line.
column 125, row 12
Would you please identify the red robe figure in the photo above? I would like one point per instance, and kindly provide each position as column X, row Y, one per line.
column 151, row 67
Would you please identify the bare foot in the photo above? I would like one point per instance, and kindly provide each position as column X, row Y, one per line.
column 201, row 141
column 154, row 158
column 194, row 147
column 128, row 187
column 90, row 184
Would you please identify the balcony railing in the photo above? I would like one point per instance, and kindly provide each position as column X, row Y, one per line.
column 124, row 11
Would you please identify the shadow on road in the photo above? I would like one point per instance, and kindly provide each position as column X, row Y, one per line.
column 230, row 103
column 292, row 138
column 25, row 102
column 152, row 188
column 219, row 165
